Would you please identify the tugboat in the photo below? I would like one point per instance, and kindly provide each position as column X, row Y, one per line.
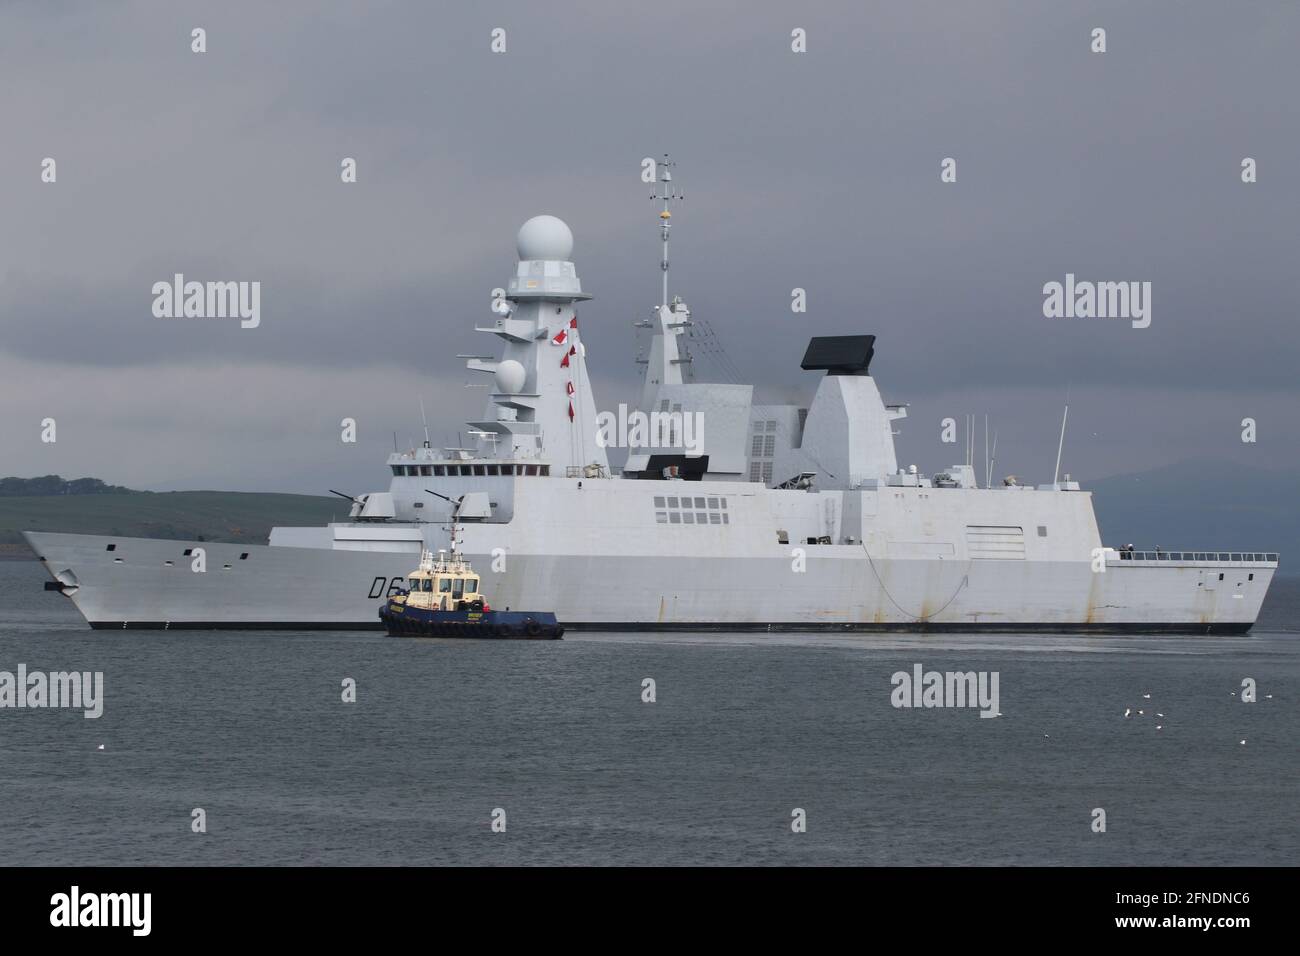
column 444, row 600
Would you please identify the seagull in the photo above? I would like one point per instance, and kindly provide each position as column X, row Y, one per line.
column 1159, row 715
column 1268, row 696
column 1160, row 727
column 1127, row 711
column 1243, row 742
column 1146, row 696
column 1142, row 713
column 100, row 747
column 1048, row 735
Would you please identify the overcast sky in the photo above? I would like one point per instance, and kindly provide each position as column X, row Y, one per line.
column 817, row 170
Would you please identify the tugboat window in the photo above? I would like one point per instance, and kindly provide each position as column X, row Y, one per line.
column 444, row 585
column 471, row 585
column 458, row 590
column 428, row 584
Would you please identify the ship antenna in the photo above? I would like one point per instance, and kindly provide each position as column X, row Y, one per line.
column 1060, row 445
column 666, row 193
column 426, row 423
column 455, row 513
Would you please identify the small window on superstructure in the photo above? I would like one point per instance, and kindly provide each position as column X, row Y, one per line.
column 415, row 584
column 546, row 471
column 530, row 469
column 444, row 585
column 494, row 470
column 428, row 584
column 1042, row 531
column 439, row 471
column 426, row 471
column 471, row 586
column 480, row 470
column 397, row 470
column 419, row 504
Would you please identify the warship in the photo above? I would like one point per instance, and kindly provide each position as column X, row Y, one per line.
column 726, row 514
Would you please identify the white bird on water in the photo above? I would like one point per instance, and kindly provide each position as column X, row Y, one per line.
column 1160, row 727
column 1243, row 741
column 100, row 747
column 1127, row 711
column 1146, row 696
column 1159, row 715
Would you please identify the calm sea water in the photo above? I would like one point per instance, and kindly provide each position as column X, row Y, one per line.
column 251, row 727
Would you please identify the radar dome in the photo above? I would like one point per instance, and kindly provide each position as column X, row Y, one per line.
column 545, row 237
column 511, row 377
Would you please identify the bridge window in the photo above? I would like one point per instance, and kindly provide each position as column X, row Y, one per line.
column 471, row 586
column 415, row 584
column 458, row 588
column 439, row 471
column 661, row 517
column 444, row 585
column 494, row 470
column 428, row 584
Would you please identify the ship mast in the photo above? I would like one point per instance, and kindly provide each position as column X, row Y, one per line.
column 666, row 193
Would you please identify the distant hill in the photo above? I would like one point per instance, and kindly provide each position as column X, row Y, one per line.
column 54, row 485
column 178, row 515
column 1206, row 506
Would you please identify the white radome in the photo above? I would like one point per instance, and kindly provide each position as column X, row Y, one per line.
column 545, row 237
column 511, row 377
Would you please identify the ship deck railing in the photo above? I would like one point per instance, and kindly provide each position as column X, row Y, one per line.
column 1215, row 558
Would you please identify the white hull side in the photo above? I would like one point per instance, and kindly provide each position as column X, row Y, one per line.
column 840, row 588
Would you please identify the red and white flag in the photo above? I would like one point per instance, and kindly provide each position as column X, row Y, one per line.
column 570, row 411
column 573, row 322
column 560, row 337
column 569, row 388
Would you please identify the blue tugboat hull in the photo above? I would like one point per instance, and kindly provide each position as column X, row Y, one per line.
column 403, row 621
